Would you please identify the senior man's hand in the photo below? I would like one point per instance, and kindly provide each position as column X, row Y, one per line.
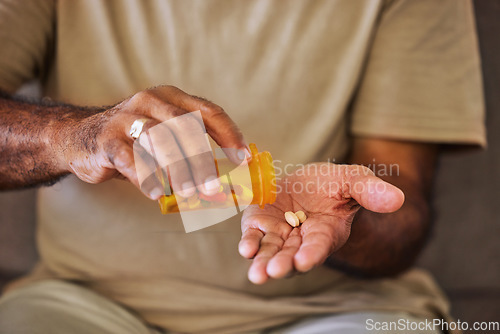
column 330, row 195
column 98, row 147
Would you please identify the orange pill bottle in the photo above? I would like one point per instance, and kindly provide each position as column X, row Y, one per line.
column 253, row 182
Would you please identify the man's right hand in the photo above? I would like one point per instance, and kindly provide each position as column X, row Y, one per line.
column 99, row 147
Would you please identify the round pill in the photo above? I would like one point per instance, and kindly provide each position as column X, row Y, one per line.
column 301, row 215
column 292, row 219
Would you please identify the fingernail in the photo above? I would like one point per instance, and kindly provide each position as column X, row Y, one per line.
column 211, row 185
column 156, row 193
column 188, row 189
column 237, row 156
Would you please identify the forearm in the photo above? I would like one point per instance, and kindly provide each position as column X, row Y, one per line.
column 387, row 244
column 29, row 155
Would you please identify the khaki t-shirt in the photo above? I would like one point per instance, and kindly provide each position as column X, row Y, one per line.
column 297, row 76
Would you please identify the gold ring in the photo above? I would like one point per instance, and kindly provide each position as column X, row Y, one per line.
column 136, row 128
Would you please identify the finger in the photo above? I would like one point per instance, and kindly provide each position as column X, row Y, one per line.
column 281, row 265
column 219, row 125
column 121, row 156
column 153, row 103
column 167, row 102
column 250, row 242
column 319, row 239
column 144, row 161
column 270, row 244
column 146, row 172
column 269, row 220
column 193, row 141
column 255, row 224
column 159, row 141
column 372, row 192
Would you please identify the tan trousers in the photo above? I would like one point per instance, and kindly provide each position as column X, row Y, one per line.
column 59, row 307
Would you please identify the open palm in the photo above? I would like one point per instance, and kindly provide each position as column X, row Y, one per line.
column 330, row 195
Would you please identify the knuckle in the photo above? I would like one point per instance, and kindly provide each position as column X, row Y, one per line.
column 109, row 147
column 117, row 155
column 142, row 98
column 210, row 108
column 251, row 221
column 186, row 123
column 169, row 88
column 122, row 158
column 160, row 137
column 173, row 111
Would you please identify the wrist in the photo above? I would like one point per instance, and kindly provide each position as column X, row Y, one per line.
column 69, row 135
column 384, row 245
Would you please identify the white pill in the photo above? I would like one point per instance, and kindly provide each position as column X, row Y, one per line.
column 292, row 219
column 301, row 215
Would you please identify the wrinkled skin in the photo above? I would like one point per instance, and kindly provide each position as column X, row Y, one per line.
column 98, row 147
column 330, row 195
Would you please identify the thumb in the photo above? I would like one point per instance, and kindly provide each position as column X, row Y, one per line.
column 373, row 193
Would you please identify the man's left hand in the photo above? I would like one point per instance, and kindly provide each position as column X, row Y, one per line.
column 330, row 195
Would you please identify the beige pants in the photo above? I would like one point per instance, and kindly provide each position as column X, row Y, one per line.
column 58, row 307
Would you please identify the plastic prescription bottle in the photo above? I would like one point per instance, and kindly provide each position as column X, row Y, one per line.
column 250, row 183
